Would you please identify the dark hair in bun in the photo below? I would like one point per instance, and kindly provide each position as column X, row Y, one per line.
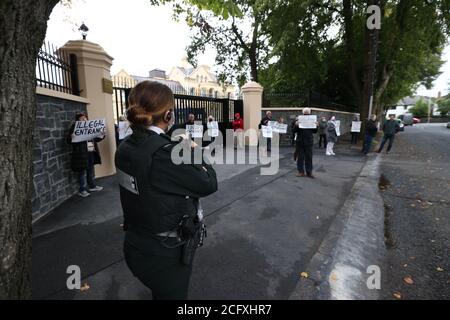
column 149, row 102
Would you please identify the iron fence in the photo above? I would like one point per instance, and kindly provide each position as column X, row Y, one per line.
column 57, row 70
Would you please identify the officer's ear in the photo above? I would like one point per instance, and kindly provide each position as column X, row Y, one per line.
column 168, row 116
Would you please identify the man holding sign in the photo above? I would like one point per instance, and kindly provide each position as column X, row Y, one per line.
column 306, row 127
column 84, row 135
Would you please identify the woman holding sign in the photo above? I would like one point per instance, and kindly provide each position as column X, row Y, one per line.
column 160, row 199
column 85, row 155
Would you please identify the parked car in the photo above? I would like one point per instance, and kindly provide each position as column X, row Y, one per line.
column 401, row 125
column 448, row 125
column 408, row 119
column 416, row 120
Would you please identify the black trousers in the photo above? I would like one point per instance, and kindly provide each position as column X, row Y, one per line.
column 354, row 137
column 323, row 137
column 165, row 276
column 304, row 159
column 387, row 137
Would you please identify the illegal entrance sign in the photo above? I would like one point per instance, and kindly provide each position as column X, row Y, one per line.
column 124, row 130
column 213, row 129
column 267, row 131
column 88, row 130
column 194, row 130
column 356, row 126
column 307, row 122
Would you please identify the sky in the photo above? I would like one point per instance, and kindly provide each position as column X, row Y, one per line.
column 142, row 37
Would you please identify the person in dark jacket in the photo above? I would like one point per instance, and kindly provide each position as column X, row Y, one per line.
column 157, row 194
column 304, row 148
column 390, row 128
column 265, row 122
column 370, row 133
column 85, row 155
column 322, row 132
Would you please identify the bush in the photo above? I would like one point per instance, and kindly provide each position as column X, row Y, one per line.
column 420, row 109
column 444, row 106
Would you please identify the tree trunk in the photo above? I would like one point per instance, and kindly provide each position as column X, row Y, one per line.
column 23, row 24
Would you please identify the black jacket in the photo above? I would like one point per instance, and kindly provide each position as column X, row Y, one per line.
column 371, row 128
column 80, row 152
column 166, row 191
column 305, row 137
column 264, row 122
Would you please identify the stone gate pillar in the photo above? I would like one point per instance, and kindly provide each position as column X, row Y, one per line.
column 95, row 84
column 252, row 93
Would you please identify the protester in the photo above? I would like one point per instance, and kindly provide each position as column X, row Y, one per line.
column 371, row 132
column 322, row 132
column 160, row 199
column 354, row 134
column 265, row 122
column 331, row 136
column 304, row 148
column 390, row 128
column 85, row 155
column 238, row 127
column 209, row 130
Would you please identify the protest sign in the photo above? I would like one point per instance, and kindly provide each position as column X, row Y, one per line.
column 280, row 127
column 338, row 127
column 267, row 131
column 271, row 123
column 213, row 129
column 356, row 126
column 124, row 130
column 307, row 122
column 194, row 130
column 88, row 130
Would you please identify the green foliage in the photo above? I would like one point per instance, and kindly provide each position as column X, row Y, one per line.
column 444, row 105
column 420, row 109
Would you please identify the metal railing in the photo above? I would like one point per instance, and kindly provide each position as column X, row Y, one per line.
column 57, row 70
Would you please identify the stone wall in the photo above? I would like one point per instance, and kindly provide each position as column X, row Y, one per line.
column 289, row 114
column 54, row 181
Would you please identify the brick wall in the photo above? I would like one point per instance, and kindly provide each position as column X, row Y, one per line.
column 290, row 114
column 54, row 181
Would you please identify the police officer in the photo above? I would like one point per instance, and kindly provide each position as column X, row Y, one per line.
column 156, row 194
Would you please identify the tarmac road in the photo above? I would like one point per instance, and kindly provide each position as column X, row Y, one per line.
column 415, row 186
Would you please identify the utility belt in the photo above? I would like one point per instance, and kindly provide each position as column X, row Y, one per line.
column 190, row 232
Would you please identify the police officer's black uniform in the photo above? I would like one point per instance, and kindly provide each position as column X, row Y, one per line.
column 155, row 195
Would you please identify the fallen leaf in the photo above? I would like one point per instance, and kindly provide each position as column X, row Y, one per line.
column 304, row 274
column 412, row 205
column 85, row 287
column 333, row 277
column 405, row 265
column 408, row 280
column 439, row 269
column 397, row 295
column 317, row 217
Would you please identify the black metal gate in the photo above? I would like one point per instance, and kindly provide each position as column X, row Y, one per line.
column 223, row 110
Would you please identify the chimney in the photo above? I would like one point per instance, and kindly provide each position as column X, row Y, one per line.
column 157, row 73
column 439, row 95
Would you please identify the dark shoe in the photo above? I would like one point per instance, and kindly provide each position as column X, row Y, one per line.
column 300, row 174
column 311, row 176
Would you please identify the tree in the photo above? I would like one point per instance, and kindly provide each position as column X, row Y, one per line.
column 420, row 109
column 23, row 25
column 239, row 41
column 444, row 105
column 326, row 45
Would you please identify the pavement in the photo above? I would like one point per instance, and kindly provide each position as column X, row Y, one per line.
column 415, row 187
column 263, row 232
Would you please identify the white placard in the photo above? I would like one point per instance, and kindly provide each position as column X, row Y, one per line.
column 271, row 123
column 307, row 122
column 88, row 130
column 124, row 129
column 280, row 127
column 213, row 129
column 267, row 131
column 338, row 127
column 194, row 130
column 356, row 126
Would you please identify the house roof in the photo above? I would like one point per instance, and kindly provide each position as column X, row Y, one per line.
column 175, row 86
